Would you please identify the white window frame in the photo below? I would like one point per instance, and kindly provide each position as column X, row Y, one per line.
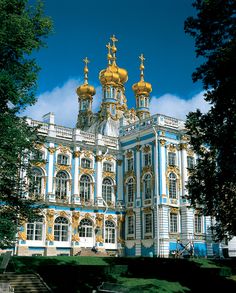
column 62, row 160
column 174, row 223
column 110, row 232
column 85, row 187
column 62, row 186
column 86, row 163
column 107, row 190
column 34, row 231
column 61, row 229
column 172, row 186
column 172, row 158
column 86, row 228
column 148, row 224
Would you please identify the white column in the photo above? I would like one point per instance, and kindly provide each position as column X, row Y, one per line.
column 120, row 183
column 184, row 168
column 76, row 198
column 163, row 166
column 138, row 171
column 51, row 151
column 99, row 178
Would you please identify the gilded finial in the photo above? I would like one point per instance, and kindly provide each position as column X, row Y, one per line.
column 141, row 57
column 86, row 61
column 113, row 48
column 109, row 56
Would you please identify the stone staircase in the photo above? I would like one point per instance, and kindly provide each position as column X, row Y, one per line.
column 24, row 283
column 89, row 252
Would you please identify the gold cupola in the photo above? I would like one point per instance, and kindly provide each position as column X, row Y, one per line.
column 112, row 75
column 142, row 87
column 86, row 90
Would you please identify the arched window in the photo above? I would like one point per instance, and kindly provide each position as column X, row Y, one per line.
column 62, row 181
column 130, row 224
column 86, row 163
column 61, row 228
column 171, row 159
column 37, row 181
column 85, row 187
column 107, row 189
column 172, row 186
column 109, row 232
column 130, row 190
column 62, row 160
column 107, row 167
column 35, row 230
column 147, row 186
column 85, row 228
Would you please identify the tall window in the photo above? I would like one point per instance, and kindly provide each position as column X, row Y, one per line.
column 173, row 223
column 130, row 164
column 130, row 224
column 172, row 186
column 147, row 223
column 62, row 182
column 171, row 159
column 85, row 187
column 147, row 186
column 86, row 163
column 107, row 189
column 37, row 181
column 109, row 232
column 130, row 190
column 190, row 162
column 85, row 228
column 62, row 160
column 35, row 230
column 61, row 228
column 107, row 167
column 197, row 223
column 147, row 159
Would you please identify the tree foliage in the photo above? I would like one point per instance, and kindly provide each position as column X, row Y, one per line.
column 23, row 29
column 213, row 135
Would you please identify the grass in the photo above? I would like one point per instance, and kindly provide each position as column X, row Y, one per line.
column 138, row 274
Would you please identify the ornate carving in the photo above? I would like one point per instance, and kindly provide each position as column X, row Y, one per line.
column 86, row 171
column 184, row 138
column 87, row 216
column 162, row 142
column 121, row 240
column 138, row 147
column 119, row 162
column 66, row 168
column 109, row 158
column 110, row 218
column 75, row 219
column 98, row 158
column 64, row 149
column 22, row 235
column 50, row 237
column 183, row 146
column 75, row 238
column 120, row 219
column 63, row 214
column 87, row 154
column 108, row 174
column 130, row 212
column 40, row 164
column 129, row 154
column 129, row 174
column 51, row 150
column 99, row 220
column 99, row 239
column 174, row 210
column 146, row 149
column 147, row 169
column 171, row 147
column 190, row 152
column 50, row 217
column 77, row 154
column 147, row 210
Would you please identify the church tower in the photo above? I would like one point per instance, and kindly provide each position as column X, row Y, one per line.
column 142, row 90
column 113, row 79
column 85, row 94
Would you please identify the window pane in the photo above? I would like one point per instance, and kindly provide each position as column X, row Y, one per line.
column 171, row 159
column 173, row 223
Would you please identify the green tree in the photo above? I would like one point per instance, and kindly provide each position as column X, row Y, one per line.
column 213, row 135
column 23, row 29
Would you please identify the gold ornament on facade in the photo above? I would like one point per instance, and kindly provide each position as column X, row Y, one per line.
column 40, row 164
column 121, row 241
column 110, row 218
column 51, row 150
column 50, row 217
column 99, row 158
column 162, row 142
column 63, row 214
column 119, row 162
column 138, row 147
column 146, row 149
column 147, row 210
column 87, row 154
column 171, row 148
column 120, row 219
column 108, row 174
column 129, row 154
column 147, row 169
column 86, row 171
column 129, row 212
column 190, row 152
column 109, row 158
column 22, row 236
column 76, row 154
column 174, row 210
column 75, row 238
column 50, row 237
column 87, row 216
column 75, row 219
column 64, row 149
column 183, row 146
column 66, row 168
column 184, row 138
column 99, row 239
column 99, row 220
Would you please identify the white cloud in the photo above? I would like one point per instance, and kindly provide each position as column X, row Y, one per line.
column 177, row 107
column 63, row 102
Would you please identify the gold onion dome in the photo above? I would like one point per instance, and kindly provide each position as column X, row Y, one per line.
column 85, row 89
column 113, row 74
column 142, row 87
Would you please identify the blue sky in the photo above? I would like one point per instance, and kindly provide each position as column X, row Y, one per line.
column 83, row 28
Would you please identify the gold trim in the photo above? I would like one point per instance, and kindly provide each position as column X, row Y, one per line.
column 129, row 154
column 108, row 174
column 99, row 220
column 77, row 154
column 75, row 238
column 86, row 171
column 52, row 150
column 162, row 142
column 22, row 235
column 98, row 158
column 146, row 149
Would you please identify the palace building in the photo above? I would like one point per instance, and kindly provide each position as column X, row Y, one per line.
column 117, row 180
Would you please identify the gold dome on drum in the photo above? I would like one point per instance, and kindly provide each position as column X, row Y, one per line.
column 113, row 74
column 142, row 87
column 85, row 89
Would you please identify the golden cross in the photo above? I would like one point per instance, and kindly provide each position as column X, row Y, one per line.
column 86, row 61
column 113, row 39
column 141, row 57
column 109, row 48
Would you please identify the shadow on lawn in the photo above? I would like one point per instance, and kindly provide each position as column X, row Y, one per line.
column 70, row 275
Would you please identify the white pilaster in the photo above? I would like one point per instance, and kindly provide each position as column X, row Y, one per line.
column 99, row 178
column 76, row 198
column 138, row 171
column 163, row 166
column 120, row 180
column 184, row 169
column 51, row 150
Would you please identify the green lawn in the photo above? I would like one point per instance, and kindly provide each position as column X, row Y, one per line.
column 138, row 274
